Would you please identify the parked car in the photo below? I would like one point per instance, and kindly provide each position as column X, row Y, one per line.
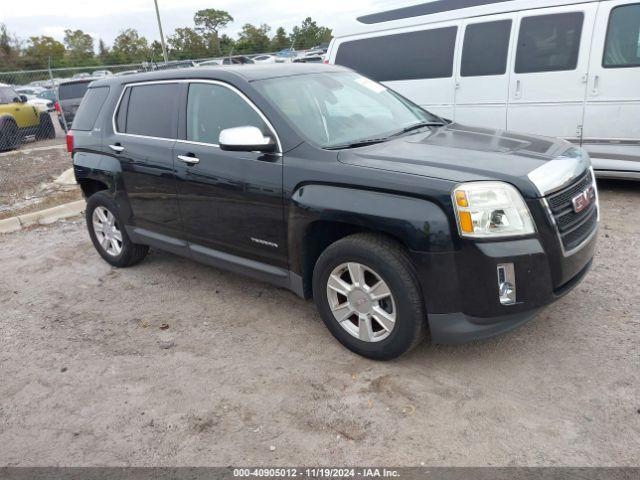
column 70, row 95
column 81, row 75
column 34, row 99
column 102, row 73
column 19, row 120
column 264, row 59
column 211, row 63
column 565, row 68
column 285, row 56
column 127, row 72
column 322, row 181
column 172, row 65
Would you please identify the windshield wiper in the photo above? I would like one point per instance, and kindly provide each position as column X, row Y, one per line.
column 358, row 143
column 416, row 126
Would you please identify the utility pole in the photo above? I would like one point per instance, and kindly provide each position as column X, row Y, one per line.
column 164, row 48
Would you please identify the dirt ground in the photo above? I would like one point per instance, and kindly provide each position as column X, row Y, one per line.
column 27, row 174
column 246, row 374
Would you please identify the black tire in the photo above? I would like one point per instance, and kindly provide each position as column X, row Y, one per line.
column 10, row 136
column 46, row 130
column 131, row 253
column 392, row 263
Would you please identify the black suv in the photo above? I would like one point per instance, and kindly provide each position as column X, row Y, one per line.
column 324, row 182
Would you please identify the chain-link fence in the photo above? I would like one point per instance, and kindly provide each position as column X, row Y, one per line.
column 39, row 105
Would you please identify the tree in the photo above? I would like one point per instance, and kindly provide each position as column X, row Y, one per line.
column 209, row 22
column 9, row 49
column 309, row 34
column 280, row 40
column 40, row 49
column 185, row 43
column 227, row 44
column 155, row 51
column 79, row 46
column 253, row 39
column 129, row 47
column 103, row 51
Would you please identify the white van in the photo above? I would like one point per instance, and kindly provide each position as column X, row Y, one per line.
column 565, row 68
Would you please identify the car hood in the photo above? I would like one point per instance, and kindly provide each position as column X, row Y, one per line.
column 460, row 153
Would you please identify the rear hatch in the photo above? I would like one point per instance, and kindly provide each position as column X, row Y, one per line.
column 70, row 95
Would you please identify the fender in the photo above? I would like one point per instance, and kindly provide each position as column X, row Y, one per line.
column 420, row 224
column 99, row 167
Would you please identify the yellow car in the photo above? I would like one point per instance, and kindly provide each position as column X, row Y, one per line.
column 19, row 120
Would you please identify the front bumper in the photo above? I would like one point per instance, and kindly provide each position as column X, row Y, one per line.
column 461, row 288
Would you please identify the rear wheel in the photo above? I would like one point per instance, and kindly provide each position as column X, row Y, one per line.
column 108, row 235
column 46, row 128
column 368, row 295
column 10, row 136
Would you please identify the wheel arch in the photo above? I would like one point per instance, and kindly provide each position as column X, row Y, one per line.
column 320, row 215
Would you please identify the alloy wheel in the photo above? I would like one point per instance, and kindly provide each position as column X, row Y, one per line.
column 107, row 231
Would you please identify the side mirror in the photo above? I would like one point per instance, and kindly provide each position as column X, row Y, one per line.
column 245, row 139
column 23, row 99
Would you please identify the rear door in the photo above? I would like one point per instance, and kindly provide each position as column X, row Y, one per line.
column 612, row 112
column 483, row 78
column 417, row 63
column 549, row 79
column 145, row 133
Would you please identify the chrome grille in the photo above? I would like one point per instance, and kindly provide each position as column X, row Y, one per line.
column 573, row 227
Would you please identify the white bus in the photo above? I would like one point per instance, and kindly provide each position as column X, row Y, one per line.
column 567, row 69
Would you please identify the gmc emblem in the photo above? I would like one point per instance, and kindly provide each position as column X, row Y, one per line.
column 583, row 199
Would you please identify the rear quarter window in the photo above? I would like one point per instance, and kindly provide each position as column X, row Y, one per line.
column 403, row 56
column 90, row 108
column 67, row 91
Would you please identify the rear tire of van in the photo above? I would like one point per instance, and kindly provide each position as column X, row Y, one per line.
column 108, row 233
column 46, row 129
column 369, row 296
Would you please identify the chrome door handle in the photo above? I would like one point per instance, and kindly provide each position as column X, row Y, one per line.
column 596, row 83
column 518, row 92
column 116, row 148
column 188, row 159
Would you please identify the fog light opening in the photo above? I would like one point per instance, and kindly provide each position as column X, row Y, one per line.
column 506, row 284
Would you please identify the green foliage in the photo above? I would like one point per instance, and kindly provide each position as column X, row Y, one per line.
column 309, row 34
column 253, row 39
column 79, row 47
column 204, row 40
column 39, row 51
column 129, row 47
column 280, row 40
column 208, row 23
column 185, row 43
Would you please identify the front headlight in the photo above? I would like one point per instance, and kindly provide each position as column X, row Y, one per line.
column 491, row 210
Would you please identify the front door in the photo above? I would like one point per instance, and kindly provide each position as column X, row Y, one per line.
column 549, row 80
column 231, row 202
column 612, row 111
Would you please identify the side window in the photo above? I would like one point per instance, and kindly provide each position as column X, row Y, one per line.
column 622, row 46
column 485, row 49
column 89, row 109
column 212, row 108
column 405, row 56
column 152, row 110
column 4, row 96
column 549, row 43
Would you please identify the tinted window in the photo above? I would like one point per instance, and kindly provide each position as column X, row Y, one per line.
column 152, row 110
column 485, row 49
column 549, row 43
column 622, row 47
column 121, row 116
column 72, row 90
column 90, row 108
column 6, row 95
column 212, row 108
column 405, row 56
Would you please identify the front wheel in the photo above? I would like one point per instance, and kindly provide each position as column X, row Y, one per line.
column 368, row 295
column 107, row 232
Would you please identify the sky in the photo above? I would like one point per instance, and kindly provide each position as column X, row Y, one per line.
column 104, row 19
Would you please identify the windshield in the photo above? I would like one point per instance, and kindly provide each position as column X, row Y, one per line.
column 339, row 109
